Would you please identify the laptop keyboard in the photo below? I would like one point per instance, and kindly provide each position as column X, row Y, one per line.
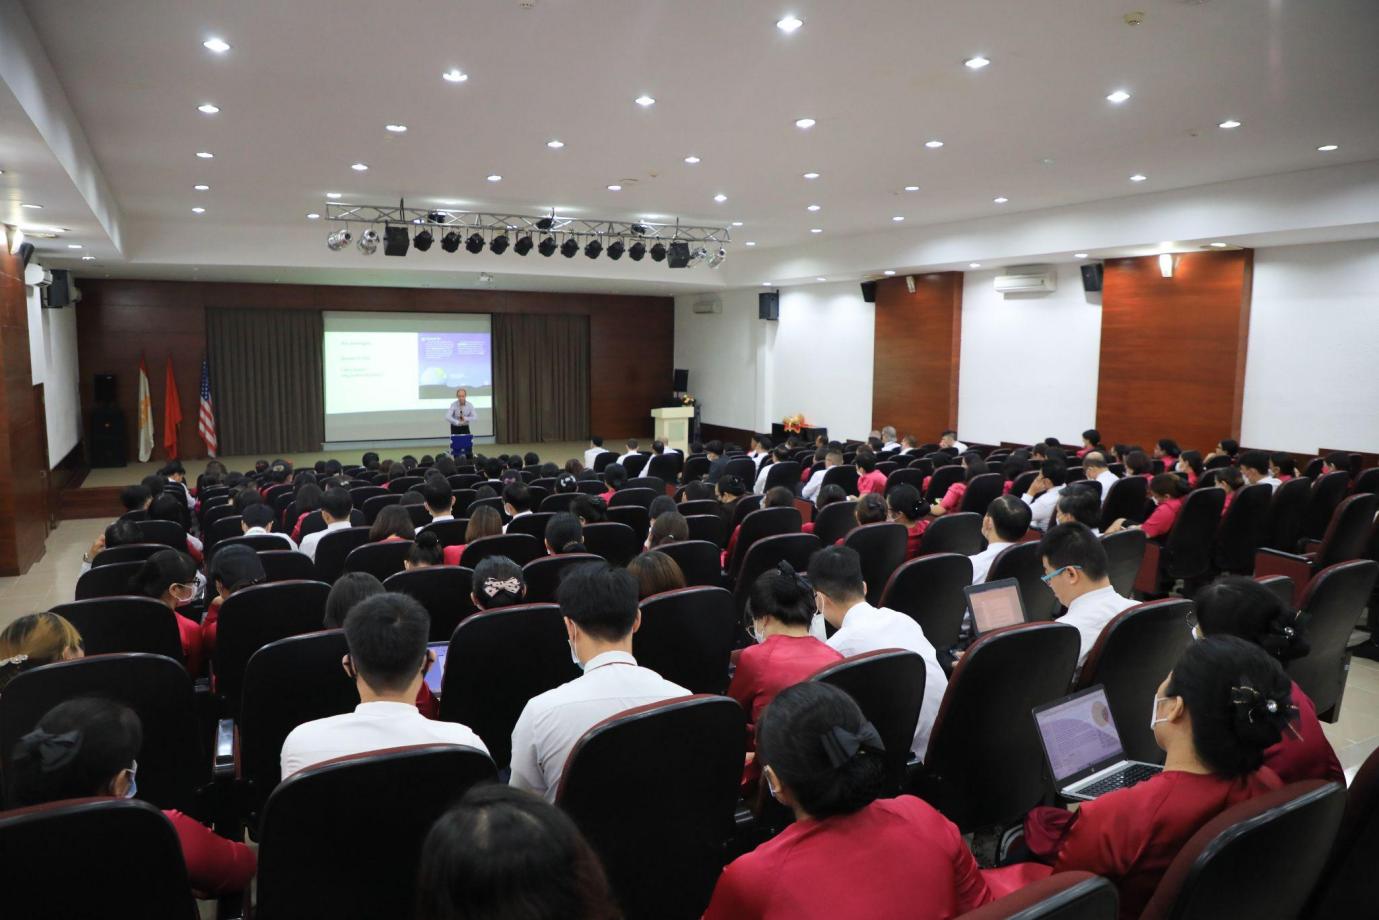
column 1132, row 774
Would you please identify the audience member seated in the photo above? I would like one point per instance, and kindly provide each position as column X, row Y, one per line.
column 713, row 450
column 176, row 475
column 170, row 507
column 439, row 498
column 778, row 497
column 234, row 568
column 828, row 495
column 1006, row 522
column 90, row 747
column 670, row 527
column 833, row 457
column 1137, row 463
column 307, row 499
column 592, row 454
column 498, row 582
column 335, row 511
column 348, row 590
column 779, row 455
column 848, row 854
column 1226, row 447
column 388, row 659
column 728, row 491
column 840, row 594
column 1255, row 467
column 949, row 441
column 905, row 507
column 502, row 852
column 660, row 505
column 424, row 552
column 392, row 524
column 1080, row 506
column 599, row 604
column 257, row 520
column 869, row 478
column 135, row 498
column 1167, row 450
column 1042, row 495
column 1242, row 607
column 484, row 521
column 568, row 481
column 120, row 533
column 1335, row 461
column 1167, row 492
column 169, row 577
column 973, row 465
column 1282, row 466
column 590, row 509
column 1230, row 480
column 1075, row 569
column 564, row 534
column 1091, row 441
column 517, row 500
column 655, row 572
column 1095, row 468
column 1225, row 702
column 1190, row 465
column 34, row 640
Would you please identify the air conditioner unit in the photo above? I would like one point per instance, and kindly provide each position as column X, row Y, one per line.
column 707, row 304
column 1027, row 279
column 36, row 275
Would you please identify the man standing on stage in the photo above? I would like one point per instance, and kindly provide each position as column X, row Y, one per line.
column 461, row 413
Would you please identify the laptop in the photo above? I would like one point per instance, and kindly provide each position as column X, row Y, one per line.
column 436, row 672
column 1083, row 748
column 994, row 604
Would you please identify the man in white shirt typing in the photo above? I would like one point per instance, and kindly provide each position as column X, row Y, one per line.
column 1075, row 569
column 335, row 511
column 257, row 519
column 1042, row 495
column 599, row 603
column 1006, row 522
column 388, row 659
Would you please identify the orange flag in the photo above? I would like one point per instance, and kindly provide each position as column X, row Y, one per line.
column 172, row 414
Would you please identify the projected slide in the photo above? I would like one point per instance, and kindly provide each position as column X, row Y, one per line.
column 391, row 376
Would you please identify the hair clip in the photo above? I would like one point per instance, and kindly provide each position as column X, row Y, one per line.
column 492, row 586
column 842, row 745
column 53, row 752
column 17, row 659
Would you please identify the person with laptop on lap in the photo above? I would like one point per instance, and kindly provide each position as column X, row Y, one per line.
column 1075, row 570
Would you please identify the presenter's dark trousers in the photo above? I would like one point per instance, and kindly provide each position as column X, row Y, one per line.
column 461, row 443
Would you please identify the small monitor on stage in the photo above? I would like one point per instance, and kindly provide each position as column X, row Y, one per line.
column 681, row 380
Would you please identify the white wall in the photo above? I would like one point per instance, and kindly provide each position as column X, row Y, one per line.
column 53, row 360
column 720, row 352
column 1312, row 374
column 1028, row 367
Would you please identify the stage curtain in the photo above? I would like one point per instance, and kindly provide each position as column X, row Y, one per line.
column 266, row 380
column 540, row 377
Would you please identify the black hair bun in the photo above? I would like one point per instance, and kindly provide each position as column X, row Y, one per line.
column 427, row 539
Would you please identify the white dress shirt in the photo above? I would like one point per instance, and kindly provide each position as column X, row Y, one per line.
column 959, row 447
column 762, row 472
column 981, row 562
column 553, row 721
column 1043, row 507
column 373, row 726
column 461, row 413
column 591, row 455
column 310, row 541
column 515, row 517
column 186, row 493
column 1107, row 479
column 259, row 531
column 1270, row 481
column 437, row 518
column 815, row 483
column 1090, row 613
column 868, row 629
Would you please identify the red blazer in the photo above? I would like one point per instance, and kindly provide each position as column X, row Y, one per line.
column 215, row 865
column 875, row 481
column 765, row 669
column 1306, row 755
column 451, row 554
column 952, row 499
column 193, row 647
column 916, row 537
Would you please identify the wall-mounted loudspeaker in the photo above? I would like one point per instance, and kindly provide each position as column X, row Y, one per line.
column 103, row 386
column 768, row 305
column 869, row 291
column 1091, row 278
column 681, row 380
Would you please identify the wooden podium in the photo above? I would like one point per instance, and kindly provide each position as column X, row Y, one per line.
column 673, row 426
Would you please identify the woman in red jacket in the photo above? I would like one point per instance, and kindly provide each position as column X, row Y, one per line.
column 1167, row 491
column 169, row 577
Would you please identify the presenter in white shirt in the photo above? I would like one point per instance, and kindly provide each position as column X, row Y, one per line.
column 335, row 511
column 461, row 415
column 1006, row 523
column 1075, row 570
column 1042, row 495
column 599, row 603
column 386, row 635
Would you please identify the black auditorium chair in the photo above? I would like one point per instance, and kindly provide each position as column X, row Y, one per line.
column 495, row 503
column 612, row 540
column 286, row 565
column 521, row 548
column 905, row 476
column 634, row 464
column 334, row 547
column 604, row 460
column 707, row 527
column 981, row 491
column 929, row 591
column 633, row 496
column 120, row 857
column 666, row 466
column 743, row 468
column 404, row 483
column 318, row 859
column 380, row 559
column 130, row 552
column 222, row 529
column 985, row 765
column 1346, row 538
column 758, row 524
column 1124, row 554
column 173, row 765
column 1331, row 607
column 687, row 636
column 1282, row 586
column 943, row 477
column 168, row 533
column 377, row 503
column 845, row 476
column 682, row 810
column 107, row 580
column 888, row 686
column 533, row 525
column 1188, row 549
column 497, row 661
column 833, row 522
column 1061, row 896
column 258, row 542
column 591, row 486
column 634, row 516
column 450, row 533
column 743, row 507
column 960, row 532
column 1244, row 529
column 698, row 560
column 444, row 590
column 766, row 554
column 1349, row 887
column 255, row 616
column 1287, row 508
column 1131, row 657
column 696, row 467
column 656, row 484
column 1368, row 481
column 124, row 624
column 1021, row 483
column 785, row 473
column 1125, row 499
column 542, row 576
column 701, row 506
column 1326, row 493
column 362, row 493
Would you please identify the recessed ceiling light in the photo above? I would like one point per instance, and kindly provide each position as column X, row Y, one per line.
column 1138, row 177
column 820, row 278
column 934, row 144
column 202, row 188
column 816, row 229
column 73, row 245
column 1218, row 245
column 976, row 63
column 750, row 243
column 897, row 218
column 1000, row 199
column 1327, row 148
column 455, row 75
column 765, row 284
column 789, row 24
column 1118, row 96
column 1229, row 123
column 811, row 175
column 359, row 167
column 218, row 45
column 88, row 258
column 495, row 178
column 691, row 159
column 1079, row 255
column 974, row 265
column 313, row 216
column 888, row 272
column 32, row 207
column 737, row 223
column 812, row 207
column 555, row 144
column 720, row 198
column 198, row 210
column 396, row 129
column 207, row 108
column 332, row 195
column 205, row 154
column 615, row 188
column 644, row 100
column 912, row 188
column 804, row 122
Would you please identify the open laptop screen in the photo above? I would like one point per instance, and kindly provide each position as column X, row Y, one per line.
column 1078, row 733
column 995, row 604
column 437, row 670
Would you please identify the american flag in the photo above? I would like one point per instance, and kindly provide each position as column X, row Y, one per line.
column 205, row 424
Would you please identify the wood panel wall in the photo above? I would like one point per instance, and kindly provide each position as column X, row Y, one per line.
column 915, row 377
column 630, row 339
column 23, row 459
column 1173, row 349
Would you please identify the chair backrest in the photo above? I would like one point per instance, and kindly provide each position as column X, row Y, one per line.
column 844, row 476
column 665, row 466
column 1125, row 499
column 1021, row 483
column 118, row 857
column 1021, row 561
column 795, row 548
column 929, row 591
column 560, row 501
column 1258, row 858
column 784, row 473
column 612, row 540
column 375, row 504
column 1244, row 529
column 696, row 467
column 701, row 506
column 404, row 483
column 743, row 507
column 985, row 764
column 124, row 623
column 1332, row 601
column 635, row 463
column 1326, row 493
column 168, row 533
column 450, row 533
column 521, row 548
column 682, row 810
column 1368, row 481
column 1134, row 653
column 905, row 476
column 1350, row 886
column 882, row 548
column 687, row 636
column 360, row 494
column 130, row 552
column 634, row 496
column 443, row 590
column 497, row 661
column 634, row 516
column 1286, row 511
column 1061, row 896
column 960, row 532
column 1348, row 533
column 543, row 575
column 743, row 468
column 1282, row 586
column 1190, row 542
column 833, row 522
column 107, row 580
column 981, row 491
column 698, row 560
column 943, row 477
column 258, row 542
column 763, row 522
column 380, row 559
column 172, row 762
column 1124, row 554
column 888, row 686
column 334, row 548
column 708, row 527
column 533, row 524
column 255, row 616
column 223, row 529
column 317, row 859
column 286, row 565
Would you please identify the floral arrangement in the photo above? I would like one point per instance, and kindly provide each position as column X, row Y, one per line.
column 686, row 399
column 793, row 423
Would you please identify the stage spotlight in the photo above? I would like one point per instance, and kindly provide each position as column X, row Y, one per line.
column 594, row 249
column 522, row 246
column 475, row 243
column 545, row 223
column 368, row 242
column 640, row 229
column 338, row 240
column 637, row 251
column 679, row 256
column 499, row 244
column 616, row 249
column 437, row 217
column 450, row 242
column 658, row 252
column 396, row 240
column 717, row 258
column 547, row 247
column 569, row 248
column 423, row 240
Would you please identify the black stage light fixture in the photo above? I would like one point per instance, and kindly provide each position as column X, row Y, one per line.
column 437, row 217
column 545, row 223
column 679, row 255
column 547, row 247
column 475, row 243
column 658, row 252
column 616, row 249
column 423, row 240
column 636, row 252
column 499, row 244
column 450, row 242
column 396, row 241
column 569, row 248
column 593, row 249
column 522, row 246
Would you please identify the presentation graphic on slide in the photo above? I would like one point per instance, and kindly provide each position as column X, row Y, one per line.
column 1079, row 733
column 451, row 360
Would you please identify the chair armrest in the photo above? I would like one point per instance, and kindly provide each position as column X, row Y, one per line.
column 1311, row 546
column 1275, row 562
column 226, row 750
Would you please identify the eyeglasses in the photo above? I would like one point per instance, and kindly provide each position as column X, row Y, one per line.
column 1047, row 579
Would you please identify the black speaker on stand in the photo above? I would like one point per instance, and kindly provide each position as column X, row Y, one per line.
column 107, row 424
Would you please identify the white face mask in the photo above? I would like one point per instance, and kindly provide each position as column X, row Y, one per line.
column 1154, row 712
column 574, row 656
